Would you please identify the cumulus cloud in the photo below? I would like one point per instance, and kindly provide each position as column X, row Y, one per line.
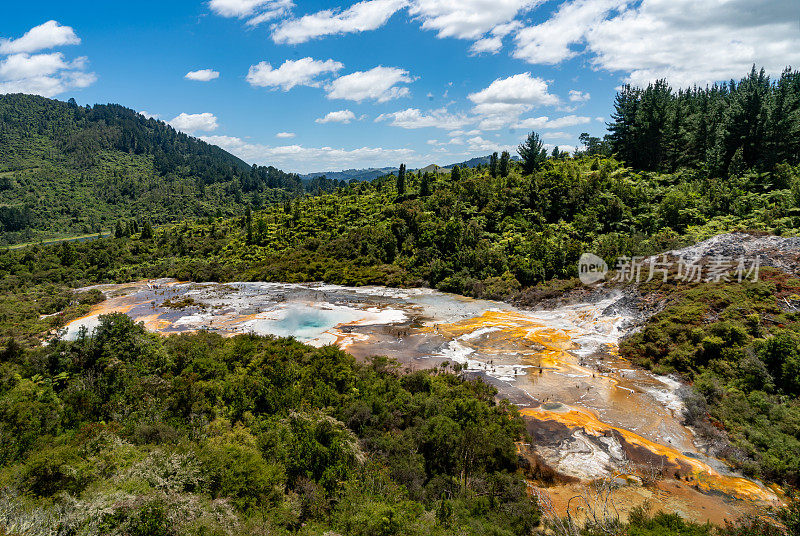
column 148, row 114
column 578, row 96
column 411, row 118
column 545, row 123
column 18, row 66
column 506, row 99
column 477, row 143
column 285, row 135
column 48, row 35
column 361, row 17
column 552, row 41
column 307, row 159
column 467, row 19
column 302, row 72
column 256, row 11
column 46, row 74
column 191, row 123
column 485, row 21
column 492, row 43
column 203, row 75
column 379, row 84
column 655, row 39
column 660, row 40
column 339, row 116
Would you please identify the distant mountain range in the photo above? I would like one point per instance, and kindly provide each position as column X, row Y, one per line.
column 348, row 174
column 373, row 173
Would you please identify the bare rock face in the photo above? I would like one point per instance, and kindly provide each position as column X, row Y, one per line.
column 782, row 252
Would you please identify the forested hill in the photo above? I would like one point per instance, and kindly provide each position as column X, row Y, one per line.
column 67, row 169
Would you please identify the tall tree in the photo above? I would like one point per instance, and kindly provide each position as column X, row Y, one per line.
column 455, row 173
column 505, row 160
column 424, row 185
column 593, row 145
column 532, row 152
column 401, row 180
column 493, row 165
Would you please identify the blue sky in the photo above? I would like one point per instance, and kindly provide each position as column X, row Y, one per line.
column 320, row 85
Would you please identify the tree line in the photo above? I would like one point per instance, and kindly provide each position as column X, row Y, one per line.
column 724, row 129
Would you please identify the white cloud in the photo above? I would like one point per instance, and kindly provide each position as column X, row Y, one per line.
column 414, row 118
column 378, row 84
column 43, row 74
column 485, row 21
column 551, row 41
column 203, row 75
column 47, row 35
column 48, row 86
column 192, row 123
column 578, row 96
column 478, row 143
column 455, row 133
column 361, row 17
column 655, row 39
column 148, row 114
column 660, row 39
column 307, row 159
column 487, row 45
column 18, row 66
column 506, row 99
column 339, row 116
column 545, row 123
column 257, row 11
column 285, row 135
column 467, row 19
column 302, row 72
column 492, row 43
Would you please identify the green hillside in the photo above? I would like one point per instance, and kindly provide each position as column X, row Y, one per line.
column 67, row 170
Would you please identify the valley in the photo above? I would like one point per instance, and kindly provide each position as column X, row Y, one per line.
column 427, row 351
column 592, row 415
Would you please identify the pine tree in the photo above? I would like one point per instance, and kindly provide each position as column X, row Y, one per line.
column 401, row 180
column 455, row 173
column 424, row 185
column 505, row 160
column 623, row 126
column 493, row 165
column 533, row 153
